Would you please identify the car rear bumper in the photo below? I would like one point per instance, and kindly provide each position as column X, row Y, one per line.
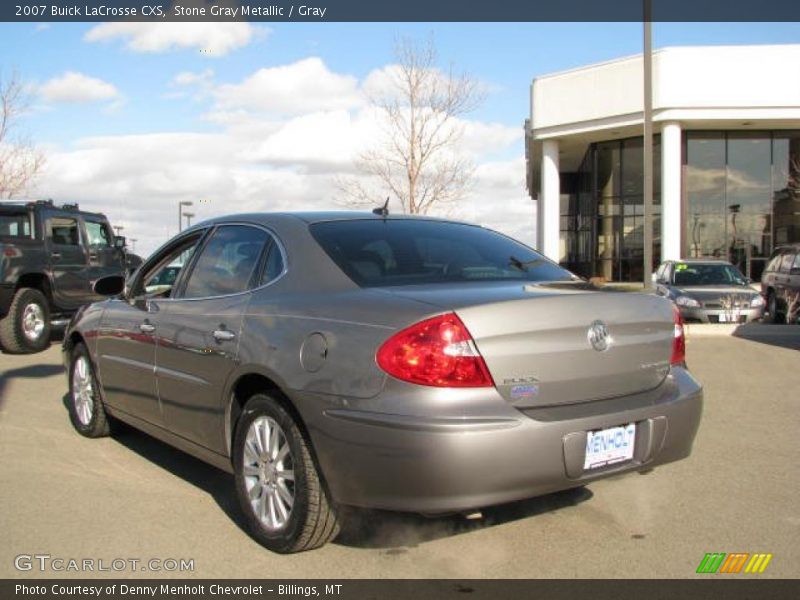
column 710, row 315
column 431, row 464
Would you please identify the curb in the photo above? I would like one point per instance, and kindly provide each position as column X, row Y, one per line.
column 729, row 329
column 709, row 329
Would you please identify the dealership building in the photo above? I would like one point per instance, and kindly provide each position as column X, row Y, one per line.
column 726, row 160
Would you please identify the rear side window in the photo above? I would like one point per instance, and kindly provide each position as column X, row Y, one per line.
column 64, row 231
column 786, row 262
column 274, row 265
column 15, row 225
column 406, row 252
column 227, row 262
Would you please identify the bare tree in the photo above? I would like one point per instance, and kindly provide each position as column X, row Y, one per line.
column 416, row 161
column 20, row 160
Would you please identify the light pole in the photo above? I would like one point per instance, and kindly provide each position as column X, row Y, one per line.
column 647, row 169
column 188, row 219
column 181, row 204
column 118, row 228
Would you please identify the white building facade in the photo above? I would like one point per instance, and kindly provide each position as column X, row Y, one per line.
column 726, row 159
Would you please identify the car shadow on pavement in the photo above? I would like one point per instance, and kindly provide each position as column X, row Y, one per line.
column 784, row 336
column 28, row 372
column 361, row 528
column 398, row 531
column 216, row 483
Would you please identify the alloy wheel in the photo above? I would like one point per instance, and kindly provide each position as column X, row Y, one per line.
column 83, row 390
column 268, row 471
column 33, row 321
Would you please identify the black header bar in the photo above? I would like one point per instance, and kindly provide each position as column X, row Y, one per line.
column 397, row 10
column 709, row 588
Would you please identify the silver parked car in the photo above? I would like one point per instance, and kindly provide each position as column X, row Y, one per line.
column 709, row 291
column 409, row 364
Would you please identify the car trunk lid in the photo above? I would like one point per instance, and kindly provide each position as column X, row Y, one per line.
column 536, row 339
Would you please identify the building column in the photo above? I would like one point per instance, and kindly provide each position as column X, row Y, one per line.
column 671, row 191
column 549, row 201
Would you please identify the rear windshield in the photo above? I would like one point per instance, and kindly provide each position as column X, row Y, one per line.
column 15, row 225
column 376, row 253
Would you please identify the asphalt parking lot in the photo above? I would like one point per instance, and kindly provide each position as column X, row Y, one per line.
column 130, row 496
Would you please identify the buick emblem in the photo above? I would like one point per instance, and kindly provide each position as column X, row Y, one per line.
column 599, row 337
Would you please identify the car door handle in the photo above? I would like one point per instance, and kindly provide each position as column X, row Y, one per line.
column 147, row 328
column 223, row 335
column 56, row 255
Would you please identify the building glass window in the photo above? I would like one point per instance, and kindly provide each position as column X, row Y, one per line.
column 786, row 187
column 602, row 216
column 741, row 202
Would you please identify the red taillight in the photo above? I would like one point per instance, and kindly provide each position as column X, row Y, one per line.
column 437, row 352
column 679, row 340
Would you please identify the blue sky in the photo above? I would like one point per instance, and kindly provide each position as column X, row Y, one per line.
column 506, row 55
column 144, row 102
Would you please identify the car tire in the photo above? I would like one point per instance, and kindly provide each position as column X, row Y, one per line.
column 280, row 491
column 773, row 315
column 86, row 409
column 26, row 327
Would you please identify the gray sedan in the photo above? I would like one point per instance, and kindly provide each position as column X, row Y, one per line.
column 709, row 291
column 332, row 359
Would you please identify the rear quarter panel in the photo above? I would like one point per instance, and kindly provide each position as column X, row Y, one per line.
column 325, row 342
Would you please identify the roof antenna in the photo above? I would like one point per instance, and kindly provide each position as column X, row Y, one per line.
column 383, row 211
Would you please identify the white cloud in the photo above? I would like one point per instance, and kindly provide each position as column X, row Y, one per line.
column 211, row 39
column 481, row 138
column 285, row 134
column 301, row 87
column 76, row 87
column 500, row 201
column 198, row 85
column 191, row 78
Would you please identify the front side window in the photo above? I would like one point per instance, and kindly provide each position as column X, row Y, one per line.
column 97, row 234
column 64, row 231
column 227, row 262
column 161, row 276
column 774, row 264
column 408, row 252
column 662, row 270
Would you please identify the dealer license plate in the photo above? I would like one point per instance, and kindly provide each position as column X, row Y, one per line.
column 609, row 446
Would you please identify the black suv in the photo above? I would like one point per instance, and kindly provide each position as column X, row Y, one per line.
column 49, row 257
column 780, row 284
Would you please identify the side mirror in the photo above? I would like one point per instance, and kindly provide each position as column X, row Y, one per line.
column 119, row 242
column 111, row 285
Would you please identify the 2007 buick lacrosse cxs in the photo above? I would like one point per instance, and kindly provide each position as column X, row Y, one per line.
column 410, row 364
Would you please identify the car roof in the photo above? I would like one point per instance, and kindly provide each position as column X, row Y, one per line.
column 703, row 261
column 786, row 248
column 309, row 217
column 65, row 208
